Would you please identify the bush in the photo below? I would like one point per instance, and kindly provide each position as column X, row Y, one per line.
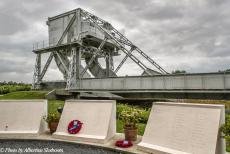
column 130, row 117
column 225, row 128
column 52, row 117
column 143, row 116
column 120, row 108
column 4, row 89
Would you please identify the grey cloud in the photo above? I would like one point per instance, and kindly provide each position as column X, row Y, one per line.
column 10, row 24
column 9, row 65
column 192, row 35
column 181, row 29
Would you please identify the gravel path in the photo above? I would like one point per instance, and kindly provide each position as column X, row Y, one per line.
column 50, row 147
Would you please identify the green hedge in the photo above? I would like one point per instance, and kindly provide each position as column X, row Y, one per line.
column 4, row 89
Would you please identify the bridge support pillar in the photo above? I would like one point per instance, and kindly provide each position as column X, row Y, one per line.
column 37, row 73
column 109, row 64
column 73, row 80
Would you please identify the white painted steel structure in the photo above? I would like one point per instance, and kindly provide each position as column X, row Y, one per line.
column 79, row 35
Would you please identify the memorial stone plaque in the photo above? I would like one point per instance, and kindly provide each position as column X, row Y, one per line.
column 98, row 118
column 184, row 128
column 22, row 118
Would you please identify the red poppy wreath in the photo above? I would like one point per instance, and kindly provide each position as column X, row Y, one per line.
column 74, row 126
column 123, row 144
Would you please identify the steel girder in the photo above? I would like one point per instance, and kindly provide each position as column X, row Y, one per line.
column 47, row 65
column 123, row 60
column 115, row 36
column 94, row 56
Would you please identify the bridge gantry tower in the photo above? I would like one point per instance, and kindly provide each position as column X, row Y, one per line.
column 77, row 35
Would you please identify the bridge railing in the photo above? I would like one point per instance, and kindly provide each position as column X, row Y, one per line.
column 44, row 44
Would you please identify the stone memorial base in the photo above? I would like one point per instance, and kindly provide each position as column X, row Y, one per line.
column 22, row 118
column 98, row 118
column 183, row 128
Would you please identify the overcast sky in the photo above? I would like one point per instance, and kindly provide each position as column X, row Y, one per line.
column 177, row 34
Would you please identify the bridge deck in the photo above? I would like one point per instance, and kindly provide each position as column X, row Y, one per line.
column 204, row 81
column 201, row 85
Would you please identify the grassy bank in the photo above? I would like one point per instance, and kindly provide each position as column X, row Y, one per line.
column 25, row 95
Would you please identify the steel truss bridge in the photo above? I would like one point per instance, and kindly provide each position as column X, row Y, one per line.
column 79, row 35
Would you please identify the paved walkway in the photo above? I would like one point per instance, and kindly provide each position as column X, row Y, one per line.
column 110, row 144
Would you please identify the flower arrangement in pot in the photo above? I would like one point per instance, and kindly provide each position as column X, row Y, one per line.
column 52, row 119
column 130, row 118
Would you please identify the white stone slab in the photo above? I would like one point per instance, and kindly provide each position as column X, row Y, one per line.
column 22, row 118
column 183, row 128
column 98, row 118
